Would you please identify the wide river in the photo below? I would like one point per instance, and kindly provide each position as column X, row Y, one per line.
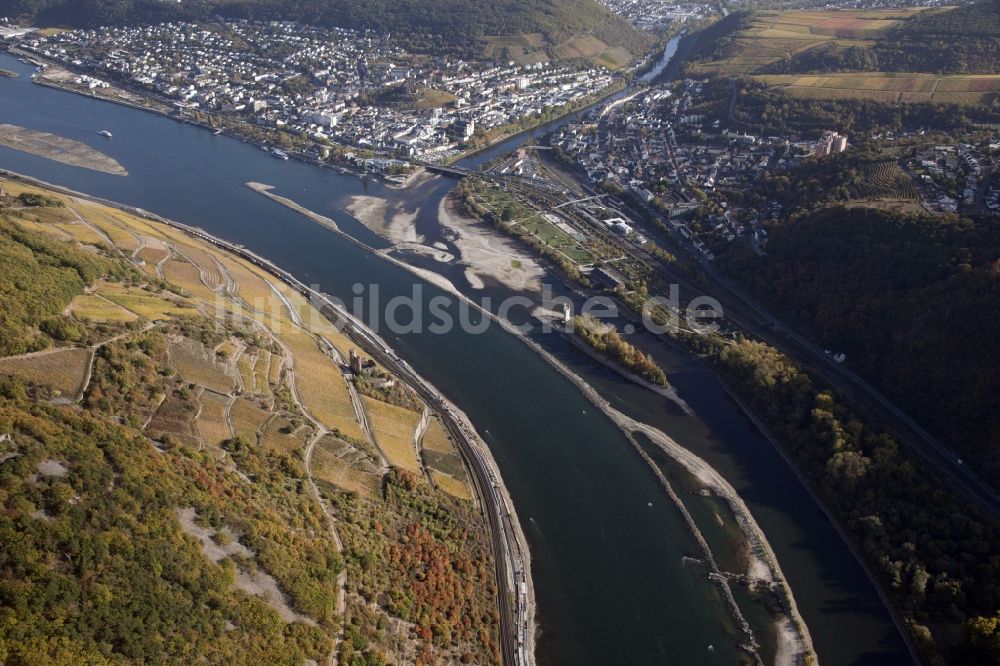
column 607, row 545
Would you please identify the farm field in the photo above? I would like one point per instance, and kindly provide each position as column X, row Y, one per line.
column 281, row 434
column 444, row 462
column 197, row 364
column 95, row 308
column 332, row 464
column 185, row 274
column 143, row 303
column 82, row 233
column 777, row 35
column 885, row 180
column 454, row 487
column 62, row 370
column 211, row 421
column 248, row 418
column 321, row 386
column 394, row 429
column 176, row 417
column 889, row 87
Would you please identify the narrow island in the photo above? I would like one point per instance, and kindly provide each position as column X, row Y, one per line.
column 59, row 149
column 607, row 341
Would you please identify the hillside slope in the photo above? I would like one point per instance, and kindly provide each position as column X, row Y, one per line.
column 912, row 300
column 459, row 24
column 183, row 475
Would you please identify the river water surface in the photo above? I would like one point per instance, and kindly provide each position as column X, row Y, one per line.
column 607, row 546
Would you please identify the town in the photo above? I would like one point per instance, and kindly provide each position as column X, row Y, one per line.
column 334, row 86
column 654, row 149
column 658, row 15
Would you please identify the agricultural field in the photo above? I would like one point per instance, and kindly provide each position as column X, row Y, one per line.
column 890, row 87
column 62, row 370
column 394, row 430
column 248, row 418
column 444, row 462
column 197, row 364
column 321, row 385
column 143, row 303
column 535, row 47
column 110, row 225
column 93, row 307
column 345, row 468
column 261, row 369
column 175, row 418
column 82, row 233
column 244, row 364
column 522, row 49
column 775, row 35
column 282, row 434
column 185, row 274
column 212, row 424
column 885, row 180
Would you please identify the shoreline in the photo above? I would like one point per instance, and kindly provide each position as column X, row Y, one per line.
column 451, row 414
column 754, row 535
column 58, row 148
column 762, row 427
column 39, row 61
column 794, row 639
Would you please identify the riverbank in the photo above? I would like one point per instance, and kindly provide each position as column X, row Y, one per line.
column 795, row 643
column 514, row 576
column 56, row 75
column 893, row 609
column 59, row 149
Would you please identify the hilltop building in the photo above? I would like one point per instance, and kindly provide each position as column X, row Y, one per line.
column 829, row 143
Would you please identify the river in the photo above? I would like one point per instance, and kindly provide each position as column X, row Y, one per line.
column 607, row 546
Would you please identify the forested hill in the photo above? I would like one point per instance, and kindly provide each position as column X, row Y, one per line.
column 913, row 300
column 458, row 24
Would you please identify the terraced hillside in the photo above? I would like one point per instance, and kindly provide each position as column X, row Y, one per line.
column 188, row 451
column 947, row 56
